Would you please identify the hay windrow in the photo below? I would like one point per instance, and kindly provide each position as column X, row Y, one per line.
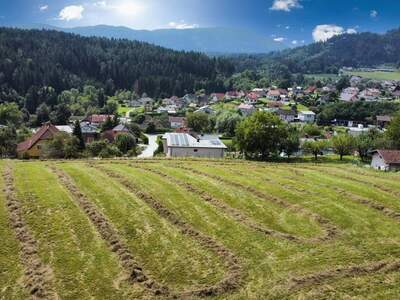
column 233, row 278
column 382, row 267
column 330, row 230
column 111, row 236
column 232, row 212
column 38, row 277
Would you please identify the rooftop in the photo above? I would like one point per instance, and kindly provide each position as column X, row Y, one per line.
column 185, row 140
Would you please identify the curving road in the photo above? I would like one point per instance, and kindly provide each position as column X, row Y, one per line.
column 151, row 147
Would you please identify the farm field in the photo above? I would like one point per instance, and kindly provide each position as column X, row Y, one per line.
column 191, row 229
column 378, row 75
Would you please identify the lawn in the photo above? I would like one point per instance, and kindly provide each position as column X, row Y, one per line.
column 378, row 75
column 220, row 229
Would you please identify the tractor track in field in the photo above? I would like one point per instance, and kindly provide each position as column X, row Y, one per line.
column 232, row 212
column 331, row 231
column 109, row 234
column 38, row 277
column 233, row 278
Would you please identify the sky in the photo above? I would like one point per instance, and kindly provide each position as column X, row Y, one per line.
column 283, row 21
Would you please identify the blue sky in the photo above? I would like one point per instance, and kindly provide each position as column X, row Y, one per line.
column 289, row 21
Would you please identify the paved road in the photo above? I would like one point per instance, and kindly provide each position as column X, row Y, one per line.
column 151, row 147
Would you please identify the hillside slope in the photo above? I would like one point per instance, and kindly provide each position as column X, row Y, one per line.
column 347, row 50
column 36, row 58
column 154, row 229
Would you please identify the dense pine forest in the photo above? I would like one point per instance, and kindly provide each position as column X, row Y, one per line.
column 34, row 62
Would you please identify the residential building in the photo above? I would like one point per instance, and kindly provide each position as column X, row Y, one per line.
column 65, row 128
column 355, row 81
column 383, row 121
column 97, row 120
column 89, row 132
column 360, row 129
column 252, row 98
column 310, row 90
column 246, row 109
column 306, row 116
column 287, row 115
column 386, row 160
column 370, row 94
column 274, row 95
column 186, row 145
column 177, row 122
column 350, row 94
column 217, row 97
column 32, row 147
column 110, row 135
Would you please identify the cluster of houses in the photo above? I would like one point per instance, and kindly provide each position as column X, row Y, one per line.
column 90, row 128
column 381, row 90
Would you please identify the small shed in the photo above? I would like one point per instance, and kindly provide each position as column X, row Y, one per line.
column 386, row 160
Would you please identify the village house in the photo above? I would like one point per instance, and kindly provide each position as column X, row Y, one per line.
column 370, row 94
column 396, row 92
column 169, row 109
column 177, row 122
column 358, row 130
column 310, row 90
column 286, row 115
column 306, row 116
column 355, row 81
column 217, row 97
column 246, row 109
column 383, row 121
column 111, row 135
column 274, row 95
column 186, row 145
column 231, row 95
column 386, row 160
column 89, row 132
column 32, row 147
column 350, row 94
column 252, row 98
column 97, row 120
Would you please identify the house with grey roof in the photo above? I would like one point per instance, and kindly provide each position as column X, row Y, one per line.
column 187, row 145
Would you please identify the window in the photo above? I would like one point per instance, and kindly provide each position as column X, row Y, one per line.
column 195, row 150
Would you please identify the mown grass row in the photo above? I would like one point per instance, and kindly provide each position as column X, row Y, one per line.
column 360, row 260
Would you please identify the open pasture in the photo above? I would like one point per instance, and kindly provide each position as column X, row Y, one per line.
column 198, row 229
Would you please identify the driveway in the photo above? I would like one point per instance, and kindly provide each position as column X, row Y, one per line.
column 151, row 147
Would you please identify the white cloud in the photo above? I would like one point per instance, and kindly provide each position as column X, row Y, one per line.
column 323, row 33
column 285, row 5
column 279, row 39
column 373, row 13
column 295, row 42
column 182, row 25
column 287, row 27
column 73, row 12
column 351, row 31
column 43, row 7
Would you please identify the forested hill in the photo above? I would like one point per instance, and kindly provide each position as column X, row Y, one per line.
column 348, row 50
column 30, row 59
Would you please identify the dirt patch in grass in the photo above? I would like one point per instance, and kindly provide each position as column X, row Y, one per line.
column 345, row 272
column 232, row 212
column 330, row 230
column 111, row 236
column 234, row 274
column 38, row 277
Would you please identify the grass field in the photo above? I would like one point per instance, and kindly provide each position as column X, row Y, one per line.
column 378, row 75
column 155, row 229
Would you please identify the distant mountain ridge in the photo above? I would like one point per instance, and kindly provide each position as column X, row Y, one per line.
column 348, row 50
column 207, row 40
